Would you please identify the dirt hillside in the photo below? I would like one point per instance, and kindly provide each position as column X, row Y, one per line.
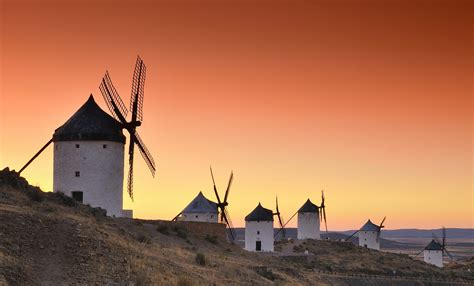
column 49, row 239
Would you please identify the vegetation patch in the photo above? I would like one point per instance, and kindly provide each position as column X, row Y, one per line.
column 144, row 238
column 163, row 229
column 200, row 259
column 265, row 272
column 211, row 238
column 181, row 232
column 65, row 200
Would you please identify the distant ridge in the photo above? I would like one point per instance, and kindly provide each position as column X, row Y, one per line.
column 465, row 233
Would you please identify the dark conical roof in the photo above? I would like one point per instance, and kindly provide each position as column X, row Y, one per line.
column 201, row 204
column 434, row 245
column 90, row 123
column 309, row 207
column 369, row 226
column 260, row 214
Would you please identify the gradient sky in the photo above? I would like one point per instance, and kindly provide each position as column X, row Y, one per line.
column 369, row 100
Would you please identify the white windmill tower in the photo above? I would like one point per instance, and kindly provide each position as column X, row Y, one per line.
column 88, row 159
column 89, row 148
column 309, row 219
column 202, row 209
column 259, row 230
column 369, row 235
column 433, row 252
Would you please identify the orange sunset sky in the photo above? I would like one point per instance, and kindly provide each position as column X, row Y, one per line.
column 369, row 100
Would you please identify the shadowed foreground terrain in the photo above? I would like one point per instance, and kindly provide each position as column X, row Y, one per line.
column 49, row 239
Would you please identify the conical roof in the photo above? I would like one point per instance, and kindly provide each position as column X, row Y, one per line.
column 309, row 207
column 260, row 214
column 434, row 245
column 90, row 123
column 201, row 204
column 369, row 226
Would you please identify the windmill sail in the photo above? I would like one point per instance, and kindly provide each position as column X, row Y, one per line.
column 119, row 111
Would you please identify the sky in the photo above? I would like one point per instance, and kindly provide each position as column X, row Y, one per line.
column 369, row 100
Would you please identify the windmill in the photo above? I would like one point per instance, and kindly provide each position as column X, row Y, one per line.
column 369, row 234
column 222, row 205
column 433, row 252
column 120, row 111
column 313, row 219
column 280, row 220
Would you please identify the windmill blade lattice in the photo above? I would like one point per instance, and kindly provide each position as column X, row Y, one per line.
column 119, row 111
column 112, row 99
column 138, row 88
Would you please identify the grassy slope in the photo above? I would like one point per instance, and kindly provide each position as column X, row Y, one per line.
column 45, row 239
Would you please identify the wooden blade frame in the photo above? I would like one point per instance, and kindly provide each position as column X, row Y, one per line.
column 284, row 225
column 130, row 170
column 112, row 99
column 227, row 220
column 145, row 153
column 228, row 186
column 138, row 90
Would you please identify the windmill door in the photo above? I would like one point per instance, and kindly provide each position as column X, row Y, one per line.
column 258, row 246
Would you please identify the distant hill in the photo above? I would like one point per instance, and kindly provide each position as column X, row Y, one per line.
column 464, row 233
column 467, row 233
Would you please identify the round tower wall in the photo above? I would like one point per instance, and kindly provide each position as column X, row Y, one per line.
column 95, row 168
column 259, row 231
column 308, row 226
column 369, row 239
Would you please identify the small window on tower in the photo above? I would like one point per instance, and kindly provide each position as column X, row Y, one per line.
column 258, row 231
column 197, row 216
column 78, row 174
column 77, row 145
column 104, row 146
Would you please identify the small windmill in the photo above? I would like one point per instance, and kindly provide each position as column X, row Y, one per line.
column 433, row 252
column 280, row 220
column 119, row 111
column 369, row 226
column 222, row 205
column 307, row 207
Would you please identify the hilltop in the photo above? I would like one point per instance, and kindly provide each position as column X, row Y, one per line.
column 48, row 238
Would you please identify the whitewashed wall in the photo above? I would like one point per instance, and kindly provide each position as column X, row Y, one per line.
column 101, row 173
column 369, row 239
column 434, row 257
column 201, row 217
column 308, row 226
column 259, row 231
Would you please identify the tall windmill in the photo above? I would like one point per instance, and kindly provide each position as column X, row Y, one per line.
column 120, row 111
column 280, row 220
column 222, row 205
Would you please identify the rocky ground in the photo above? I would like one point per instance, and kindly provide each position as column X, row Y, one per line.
column 49, row 239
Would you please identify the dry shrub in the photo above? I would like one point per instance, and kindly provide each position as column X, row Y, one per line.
column 200, row 259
